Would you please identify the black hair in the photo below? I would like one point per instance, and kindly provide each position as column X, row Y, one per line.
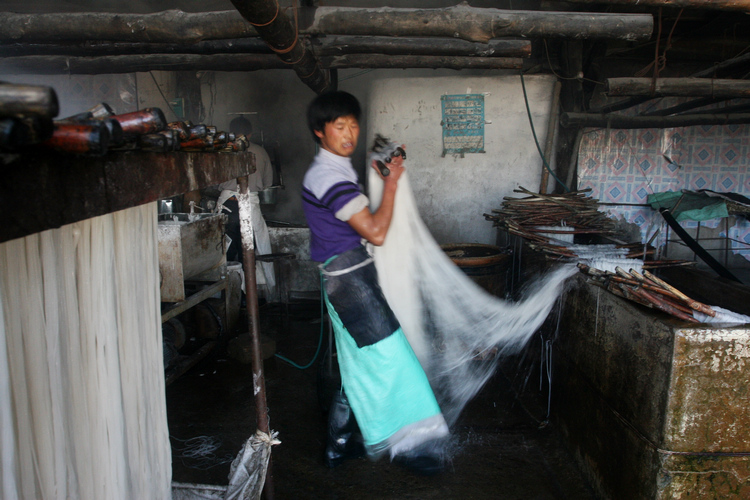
column 241, row 125
column 330, row 106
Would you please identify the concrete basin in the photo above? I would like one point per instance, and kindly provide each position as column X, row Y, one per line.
column 191, row 246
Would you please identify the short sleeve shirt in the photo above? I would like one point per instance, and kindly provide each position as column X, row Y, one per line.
column 330, row 196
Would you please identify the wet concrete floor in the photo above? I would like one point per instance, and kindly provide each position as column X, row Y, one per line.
column 501, row 447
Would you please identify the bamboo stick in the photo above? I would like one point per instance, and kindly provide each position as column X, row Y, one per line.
column 694, row 304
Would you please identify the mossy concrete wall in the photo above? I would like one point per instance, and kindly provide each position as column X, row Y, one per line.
column 651, row 407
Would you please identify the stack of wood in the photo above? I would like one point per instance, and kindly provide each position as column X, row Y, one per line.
column 574, row 210
column 539, row 215
column 648, row 290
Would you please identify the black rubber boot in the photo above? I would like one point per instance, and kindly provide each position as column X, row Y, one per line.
column 344, row 438
column 427, row 459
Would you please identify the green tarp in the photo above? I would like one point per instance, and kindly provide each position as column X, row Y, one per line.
column 689, row 205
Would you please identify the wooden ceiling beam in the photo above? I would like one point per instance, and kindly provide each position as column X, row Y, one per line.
column 323, row 46
column 630, row 122
column 54, row 65
column 476, row 24
column 727, row 5
column 63, row 65
column 460, row 21
column 684, row 87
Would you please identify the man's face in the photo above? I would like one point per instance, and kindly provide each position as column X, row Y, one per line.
column 340, row 136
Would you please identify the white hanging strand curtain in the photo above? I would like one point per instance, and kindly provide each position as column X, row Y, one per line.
column 453, row 325
column 82, row 406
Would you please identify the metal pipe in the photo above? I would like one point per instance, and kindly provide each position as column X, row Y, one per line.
column 253, row 318
column 277, row 30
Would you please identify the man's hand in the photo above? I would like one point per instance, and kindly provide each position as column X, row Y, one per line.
column 374, row 226
column 396, row 167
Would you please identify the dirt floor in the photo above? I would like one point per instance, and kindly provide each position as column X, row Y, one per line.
column 501, row 448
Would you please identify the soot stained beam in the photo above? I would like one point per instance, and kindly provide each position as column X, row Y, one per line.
column 460, row 21
column 476, row 24
column 686, row 87
column 630, row 122
column 51, row 65
column 728, row 5
column 324, row 46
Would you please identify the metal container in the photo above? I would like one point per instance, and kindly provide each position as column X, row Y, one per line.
column 191, row 246
column 486, row 265
column 268, row 196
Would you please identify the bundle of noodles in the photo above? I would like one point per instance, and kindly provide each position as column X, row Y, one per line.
column 451, row 322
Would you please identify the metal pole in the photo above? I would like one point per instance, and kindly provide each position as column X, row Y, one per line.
column 251, row 295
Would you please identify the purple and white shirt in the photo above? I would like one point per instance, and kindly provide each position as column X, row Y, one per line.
column 330, row 196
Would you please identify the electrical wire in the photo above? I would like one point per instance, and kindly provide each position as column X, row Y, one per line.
column 363, row 72
column 533, row 132
column 320, row 338
column 158, row 87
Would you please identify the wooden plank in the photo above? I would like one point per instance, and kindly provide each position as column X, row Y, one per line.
column 73, row 188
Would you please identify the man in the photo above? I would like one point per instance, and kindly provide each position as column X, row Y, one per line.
column 381, row 377
column 258, row 181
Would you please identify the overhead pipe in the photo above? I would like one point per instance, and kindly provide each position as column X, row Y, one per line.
column 275, row 28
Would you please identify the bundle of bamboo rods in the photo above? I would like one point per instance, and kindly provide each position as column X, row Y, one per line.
column 648, row 290
column 537, row 216
column 575, row 210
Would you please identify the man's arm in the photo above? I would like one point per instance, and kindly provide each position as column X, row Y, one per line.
column 374, row 226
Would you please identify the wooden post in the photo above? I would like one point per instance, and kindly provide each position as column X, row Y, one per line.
column 554, row 113
column 253, row 319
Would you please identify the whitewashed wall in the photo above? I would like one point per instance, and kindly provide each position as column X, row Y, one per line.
column 452, row 192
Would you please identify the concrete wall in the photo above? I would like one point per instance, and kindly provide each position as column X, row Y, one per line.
column 651, row 407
